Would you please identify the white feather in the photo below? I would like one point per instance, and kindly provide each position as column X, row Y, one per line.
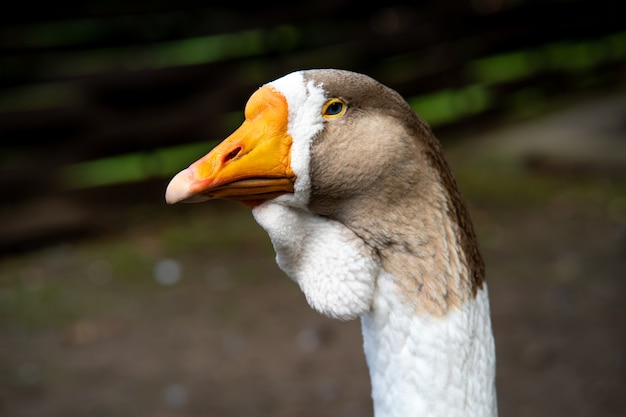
column 426, row 366
column 305, row 102
column 333, row 267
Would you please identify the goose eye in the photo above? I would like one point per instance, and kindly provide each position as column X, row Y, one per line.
column 334, row 108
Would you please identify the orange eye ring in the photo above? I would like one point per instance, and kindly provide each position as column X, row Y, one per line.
column 334, row 108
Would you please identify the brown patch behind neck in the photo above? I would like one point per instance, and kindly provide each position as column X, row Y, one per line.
column 458, row 212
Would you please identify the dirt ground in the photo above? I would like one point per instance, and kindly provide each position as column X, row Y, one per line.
column 183, row 312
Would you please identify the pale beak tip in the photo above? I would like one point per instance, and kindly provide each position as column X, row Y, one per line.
column 179, row 187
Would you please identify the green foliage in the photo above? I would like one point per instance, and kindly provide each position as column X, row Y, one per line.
column 450, row 105
column 447, row 106
column 132, row 167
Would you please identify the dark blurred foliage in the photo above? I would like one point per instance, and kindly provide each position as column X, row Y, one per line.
column 110, row 97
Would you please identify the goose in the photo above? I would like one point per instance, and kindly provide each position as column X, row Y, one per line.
column 365, row 215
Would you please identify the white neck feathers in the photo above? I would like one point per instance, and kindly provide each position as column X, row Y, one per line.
column 429, row 366
column 420, row 364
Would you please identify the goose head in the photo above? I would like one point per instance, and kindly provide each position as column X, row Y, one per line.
column 341, row 146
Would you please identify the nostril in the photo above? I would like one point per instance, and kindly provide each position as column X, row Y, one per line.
column 232, row 154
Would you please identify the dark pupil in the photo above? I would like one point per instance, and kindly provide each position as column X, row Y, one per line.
column 334, row 108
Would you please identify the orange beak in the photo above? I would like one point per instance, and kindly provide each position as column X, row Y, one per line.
column 252, row 165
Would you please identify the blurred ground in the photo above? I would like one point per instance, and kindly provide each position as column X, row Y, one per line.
column 183, row 312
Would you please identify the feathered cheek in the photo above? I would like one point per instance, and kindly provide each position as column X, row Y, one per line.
column 335, row 270
column 333, row 266
column 345, row 293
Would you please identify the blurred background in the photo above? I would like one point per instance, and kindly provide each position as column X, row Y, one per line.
column 112, row 303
